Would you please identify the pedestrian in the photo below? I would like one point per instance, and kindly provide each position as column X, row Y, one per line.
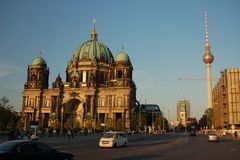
column 68, row 133
column 28, row 135
column 72, row 134
column 11, row 135
column 235, row 134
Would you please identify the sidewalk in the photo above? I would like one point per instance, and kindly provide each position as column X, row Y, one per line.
column 52, row 139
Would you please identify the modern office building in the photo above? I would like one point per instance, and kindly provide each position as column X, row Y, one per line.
column 99, row 89
column 151, row 112
column 183, row 111
column 226, row 100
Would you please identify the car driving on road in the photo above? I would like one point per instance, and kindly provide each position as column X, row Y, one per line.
column 212, row 137
column 113, row 139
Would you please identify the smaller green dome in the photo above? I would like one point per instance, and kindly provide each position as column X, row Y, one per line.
column 39, row 61
column 122, row 57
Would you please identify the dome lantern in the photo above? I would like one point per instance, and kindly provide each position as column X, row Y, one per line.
column 94, row 35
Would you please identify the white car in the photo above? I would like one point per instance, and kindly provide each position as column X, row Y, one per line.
column 213, row 137
column 113, row 139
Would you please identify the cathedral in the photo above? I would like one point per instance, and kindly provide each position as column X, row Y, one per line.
column 99, row 90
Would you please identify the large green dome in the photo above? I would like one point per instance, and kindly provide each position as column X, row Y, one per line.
column 39, row 61
column 92, row 50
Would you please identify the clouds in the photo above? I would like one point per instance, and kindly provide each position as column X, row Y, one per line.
column 9, row 69
column 4, row 71
column 144, row 80
column 12, row 79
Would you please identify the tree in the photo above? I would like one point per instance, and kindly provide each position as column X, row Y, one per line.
column 20, row 124
column 209, row 116
column 134, row 121
column 99, row 127
column 119, row 125
column 8, row 117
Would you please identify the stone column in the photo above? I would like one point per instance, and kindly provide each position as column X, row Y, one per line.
column 92, row 107
column 127, row 111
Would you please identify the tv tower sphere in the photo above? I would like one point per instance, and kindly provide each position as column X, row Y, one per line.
column 208, row 57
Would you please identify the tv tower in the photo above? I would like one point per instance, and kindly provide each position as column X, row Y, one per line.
column 208, row 59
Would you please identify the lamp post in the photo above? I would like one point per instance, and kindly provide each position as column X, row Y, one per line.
column 105, row 117
column 132, row 110
column 159, row 119
column 25, row 122
column 94, row 122
column 152, row 120
column 145, row 102
column 124, row 123
column 89, row 122
column 139, row 115
column 62, row 119
column 163, row 118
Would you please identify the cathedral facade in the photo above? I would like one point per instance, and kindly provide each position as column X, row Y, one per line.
column 98, row 91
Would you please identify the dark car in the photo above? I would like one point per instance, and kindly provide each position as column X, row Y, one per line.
column 31, row 150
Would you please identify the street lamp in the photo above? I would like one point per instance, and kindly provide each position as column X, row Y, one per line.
column 62, row 110
column 163, row 118
column 124, row 123
column 145, row 100
column 132, row 110
column 89, row 122
column 105, row 117
column 94, row 121
column 139, row 115
column 152, row 120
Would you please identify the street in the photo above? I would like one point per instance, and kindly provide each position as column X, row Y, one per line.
column 154, row 147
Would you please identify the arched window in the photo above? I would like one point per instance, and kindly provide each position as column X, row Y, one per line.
column 74, row 85
column 48, row 103
column 119, row 102
column 103, row 102
column 32, row 102
column 102, row 77
column 33, row 77
column 119, row 73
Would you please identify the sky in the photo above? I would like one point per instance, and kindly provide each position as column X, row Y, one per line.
column 164, row 39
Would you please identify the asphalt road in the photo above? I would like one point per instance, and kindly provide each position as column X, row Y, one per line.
column 150, row 147
column 139, row 147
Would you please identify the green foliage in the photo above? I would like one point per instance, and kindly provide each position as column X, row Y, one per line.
column 134, row 122
column 138, row 119
column 68, row 124
column 8, row 117
column 119, row 125
column 158, row 123
column 209, row 115
column 20, row 124
column 98, row 126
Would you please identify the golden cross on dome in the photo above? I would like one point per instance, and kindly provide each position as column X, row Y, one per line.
column 94, row 33
column 40, row 53
column 122, row 48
